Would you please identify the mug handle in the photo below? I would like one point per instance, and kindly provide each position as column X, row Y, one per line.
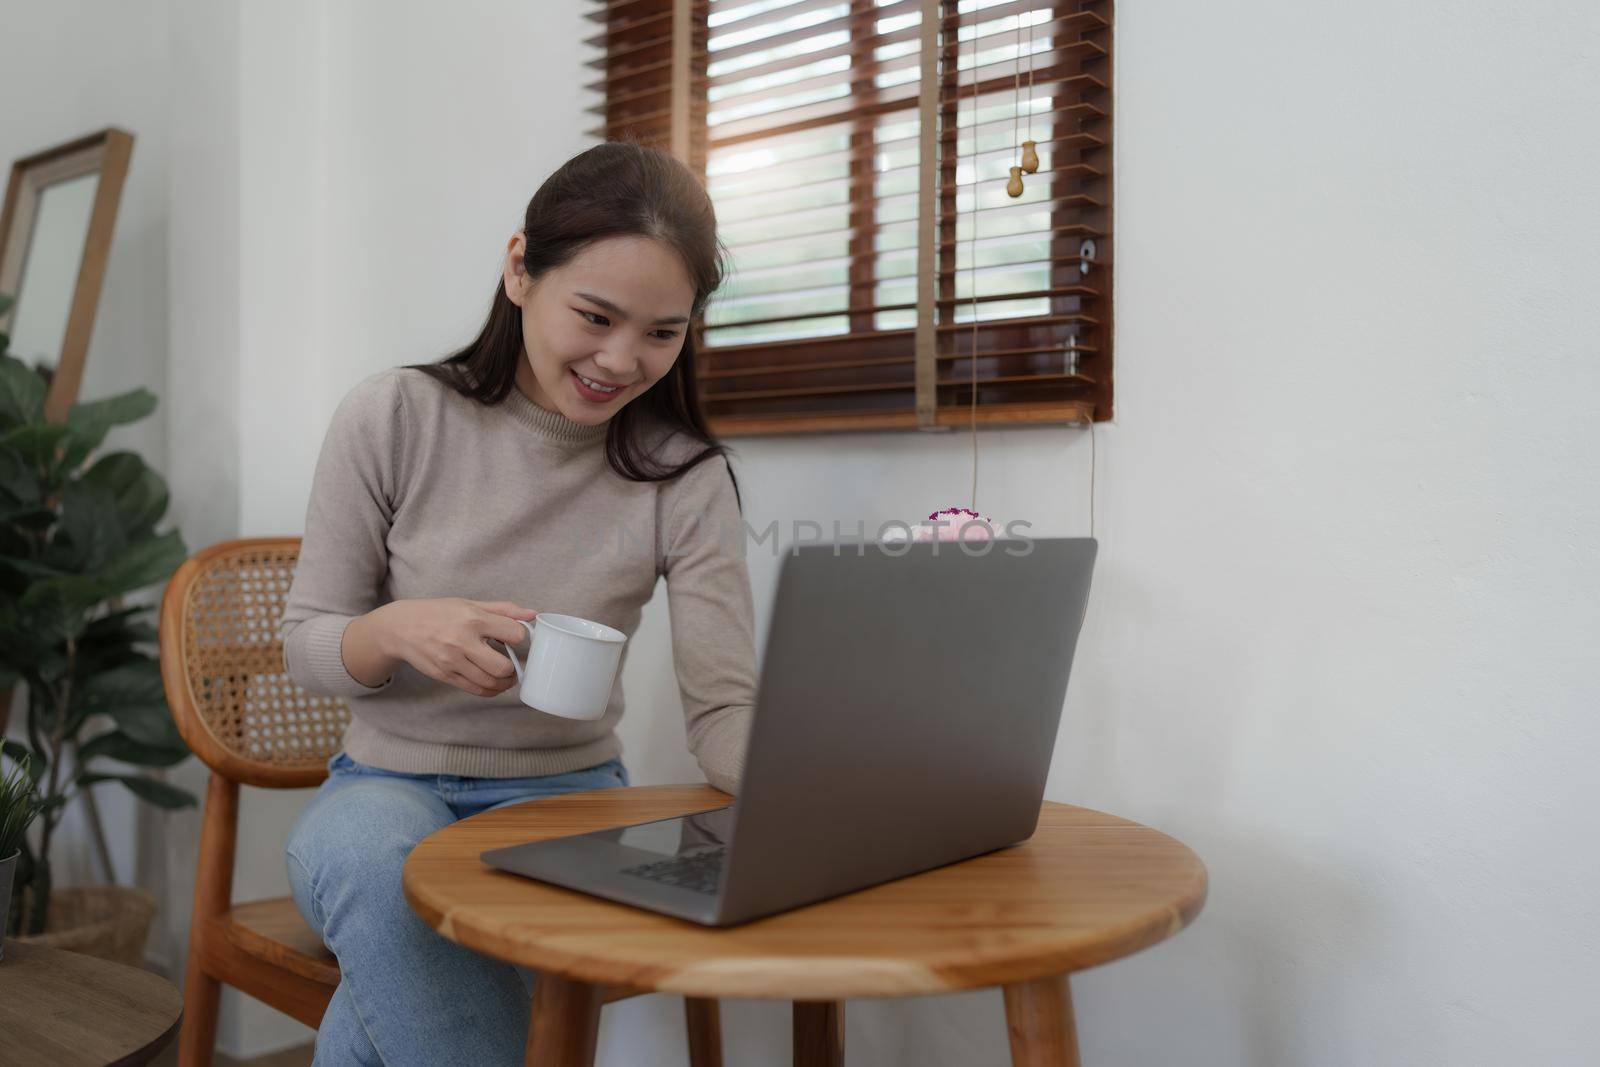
column 515, row 662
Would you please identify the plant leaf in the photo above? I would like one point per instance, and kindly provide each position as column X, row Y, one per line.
column 115, row 471
column 30, row 569
column 100, row 648
column 21, row 393
column 36, row 443
column 124, row 627
column 119, row 746
column 144, row 563
column 37, row 764
column 57, row 608
column 20, row 646
column 90, row 525
column 158, row 793
column 17, row 480
column 144, row 504
column 141, row 493
column 90, row 422
column 35, row 518
column 133, row 696
column 113, row 621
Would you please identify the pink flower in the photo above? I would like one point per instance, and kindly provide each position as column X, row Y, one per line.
column 950, row 524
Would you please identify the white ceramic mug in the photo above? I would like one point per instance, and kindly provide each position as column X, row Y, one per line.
column 572, row 665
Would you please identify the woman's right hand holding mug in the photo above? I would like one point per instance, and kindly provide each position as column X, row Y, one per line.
column 445, row 638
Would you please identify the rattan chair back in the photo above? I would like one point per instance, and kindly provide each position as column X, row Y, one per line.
column 222, row 667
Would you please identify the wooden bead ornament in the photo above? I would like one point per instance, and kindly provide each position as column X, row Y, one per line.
column 1014, row 186
column 1030, row 158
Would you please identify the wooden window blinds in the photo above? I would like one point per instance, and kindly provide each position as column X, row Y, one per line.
column 871, row 263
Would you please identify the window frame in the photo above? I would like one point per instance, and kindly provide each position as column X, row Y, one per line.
column 656, row 89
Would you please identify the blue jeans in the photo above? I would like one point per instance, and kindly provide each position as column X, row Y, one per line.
column 407, row 995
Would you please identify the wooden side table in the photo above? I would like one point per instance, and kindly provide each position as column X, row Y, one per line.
column 65, row 1009
column 1086, row 889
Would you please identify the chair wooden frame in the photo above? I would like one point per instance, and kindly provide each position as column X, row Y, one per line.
column 263, row 948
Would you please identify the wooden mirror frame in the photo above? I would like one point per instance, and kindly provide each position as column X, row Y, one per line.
column 107, row 153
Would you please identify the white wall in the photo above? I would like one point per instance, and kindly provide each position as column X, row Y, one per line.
column 1344, row 642
column 1346, row 595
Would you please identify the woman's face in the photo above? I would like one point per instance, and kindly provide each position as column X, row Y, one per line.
column 617, row 315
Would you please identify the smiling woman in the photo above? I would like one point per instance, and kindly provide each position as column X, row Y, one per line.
column 454, row 502
column 580, row 343
column 617, row 254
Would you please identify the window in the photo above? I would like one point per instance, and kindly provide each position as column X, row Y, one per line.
column 867, row 266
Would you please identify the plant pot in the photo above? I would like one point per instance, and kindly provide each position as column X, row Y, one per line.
column 108, row 921
column 8, row 868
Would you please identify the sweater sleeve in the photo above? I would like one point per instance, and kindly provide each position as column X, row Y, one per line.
column 713, row 620
column 343, row 554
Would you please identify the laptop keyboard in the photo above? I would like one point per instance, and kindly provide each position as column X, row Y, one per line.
column 695, row 871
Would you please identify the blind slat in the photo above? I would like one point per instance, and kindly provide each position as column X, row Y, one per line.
column 880, row 309
column 745, row 130
column 883, row 387
column 801, row 34
column 988, row 41
column 895, row 339
column 727, row 192
column 1019, row 414
column 711, row 373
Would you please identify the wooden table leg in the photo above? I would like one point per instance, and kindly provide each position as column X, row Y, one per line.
column 819, row 1033
column 705, row 1031
column 566, row 1022
column 1040, row 1023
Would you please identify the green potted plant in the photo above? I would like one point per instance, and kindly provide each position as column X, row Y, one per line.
column 77, row 536
column 19, row 806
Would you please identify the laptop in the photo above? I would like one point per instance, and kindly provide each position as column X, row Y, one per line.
column 908, row 705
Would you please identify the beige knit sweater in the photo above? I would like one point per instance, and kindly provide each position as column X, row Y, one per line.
column 421, row 492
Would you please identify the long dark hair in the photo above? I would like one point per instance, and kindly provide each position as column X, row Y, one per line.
column 618, row 188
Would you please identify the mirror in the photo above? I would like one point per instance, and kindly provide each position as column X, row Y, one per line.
column 50, row 272
column 55, row 233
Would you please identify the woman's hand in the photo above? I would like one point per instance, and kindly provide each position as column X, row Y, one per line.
column 442, row 637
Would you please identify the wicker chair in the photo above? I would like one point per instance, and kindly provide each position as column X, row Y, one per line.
column 222, row 666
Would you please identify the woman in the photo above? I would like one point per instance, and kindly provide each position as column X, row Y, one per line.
column 559, row 462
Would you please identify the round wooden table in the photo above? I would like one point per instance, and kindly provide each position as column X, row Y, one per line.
column 1085, row 889
column 65, row 1009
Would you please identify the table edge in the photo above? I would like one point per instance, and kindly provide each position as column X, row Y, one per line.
column 833, row 977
